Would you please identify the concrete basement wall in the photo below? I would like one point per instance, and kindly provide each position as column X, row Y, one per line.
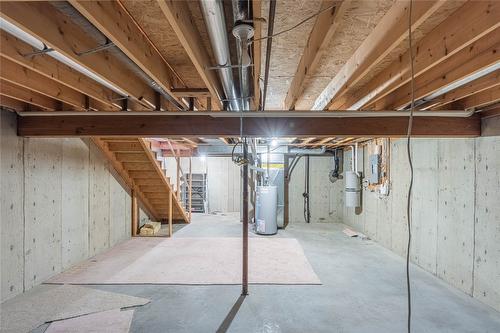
column 326, row 198
column 456, row 211
column 61, row 203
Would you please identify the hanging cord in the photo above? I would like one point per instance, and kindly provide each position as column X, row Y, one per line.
column 408, row 150
column 296, row 25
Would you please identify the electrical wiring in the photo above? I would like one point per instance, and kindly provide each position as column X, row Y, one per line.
column 410, row 162
column 296, row 25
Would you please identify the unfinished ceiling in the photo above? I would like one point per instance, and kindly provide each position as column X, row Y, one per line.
column 158, row 55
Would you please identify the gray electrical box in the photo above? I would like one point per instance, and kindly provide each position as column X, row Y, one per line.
column 374, row 169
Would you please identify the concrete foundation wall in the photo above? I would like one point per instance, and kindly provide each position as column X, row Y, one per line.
column 455, row 212
column 60, row 204
column 326, row 198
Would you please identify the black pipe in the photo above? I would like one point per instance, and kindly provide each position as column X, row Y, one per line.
column 307, row 211
column 270, row 30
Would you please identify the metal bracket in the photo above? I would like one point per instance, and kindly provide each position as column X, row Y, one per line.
column 96, row 49
column 39, row 52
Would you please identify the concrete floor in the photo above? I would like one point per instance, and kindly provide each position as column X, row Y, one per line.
column 363, row 291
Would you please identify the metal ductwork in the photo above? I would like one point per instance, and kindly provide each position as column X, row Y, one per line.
column 243, row 32
column 213, row 13
column 308, row 151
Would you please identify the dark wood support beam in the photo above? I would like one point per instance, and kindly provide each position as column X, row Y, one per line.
column 171, row 125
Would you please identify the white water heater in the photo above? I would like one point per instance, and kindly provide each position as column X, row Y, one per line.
column 266, row 204
column 352, row 189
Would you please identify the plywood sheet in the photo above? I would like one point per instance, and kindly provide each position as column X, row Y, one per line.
column 150, row 18
column 456, row 212
column 11, row 207
column 48, row 303
column 112, row 321
column 358, row 21
column 195, row 261
column 99, row 201
column 42, row 206
column 487, row 222
column 75, row 198
column 287, row 48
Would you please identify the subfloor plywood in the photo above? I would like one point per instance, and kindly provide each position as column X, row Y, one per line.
column 196, row 261
column 112, row 321
column 48, row 303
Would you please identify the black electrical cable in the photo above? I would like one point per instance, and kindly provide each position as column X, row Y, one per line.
column 296, row 25
column 408, row 150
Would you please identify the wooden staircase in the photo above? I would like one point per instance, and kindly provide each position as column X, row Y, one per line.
column 144, row 172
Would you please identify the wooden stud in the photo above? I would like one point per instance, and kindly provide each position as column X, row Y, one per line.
column 170, row 208
column 135, row 214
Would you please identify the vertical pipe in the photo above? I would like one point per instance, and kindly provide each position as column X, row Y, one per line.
column 286, row 179
column 244, row 282
column 190, row 188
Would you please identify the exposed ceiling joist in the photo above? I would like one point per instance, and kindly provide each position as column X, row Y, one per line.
column 191, row 92
column 323, row 30
column 480, row 99
column 388, row 34
column 179, row 17
column 113, row 20
column 488, row 81
column 22, row 76
column 28, row 96
column 14, row 49
column 469, row 23
column 57, row 31
column 480, row 55
column 172, row 125
column 13, row 104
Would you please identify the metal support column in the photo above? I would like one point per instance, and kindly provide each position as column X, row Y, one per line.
column 244, row 282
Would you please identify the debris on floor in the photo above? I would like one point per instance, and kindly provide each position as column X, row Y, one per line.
column 47, row 303
column 150, row 229
column 352, row 233
column 111, row 321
